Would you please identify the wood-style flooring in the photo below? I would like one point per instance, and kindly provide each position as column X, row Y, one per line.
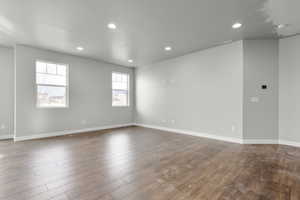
column 141, row 164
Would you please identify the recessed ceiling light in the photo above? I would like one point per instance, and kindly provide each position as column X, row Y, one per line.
column 282, row 26
column 130, row 61
column 79, row 48
column 168, row 48
column 237, row 25
column 111, row 26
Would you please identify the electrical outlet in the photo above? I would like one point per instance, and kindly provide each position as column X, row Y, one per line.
column 233, row 128
column 173, row 121
column 163, row 121
column 83, row 122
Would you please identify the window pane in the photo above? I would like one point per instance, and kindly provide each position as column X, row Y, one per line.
column 40, row 67
column 114, row 77
column 49, row 96
column 119, row 86
column 51, row 68
column 115, row 85
column 123, row 86
column 124, row 78
column 118, row 77
column 120, row 98
column 61, row 70
column 120, row 81
column 51, row 74
column 50, row 79
column 120, row 93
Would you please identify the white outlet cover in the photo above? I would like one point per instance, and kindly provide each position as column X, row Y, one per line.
column 232, row 128
column 254, row 99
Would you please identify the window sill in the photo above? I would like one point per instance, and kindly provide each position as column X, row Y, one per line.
column 38, row 107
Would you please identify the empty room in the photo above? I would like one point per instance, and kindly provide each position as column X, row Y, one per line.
column 149, row 100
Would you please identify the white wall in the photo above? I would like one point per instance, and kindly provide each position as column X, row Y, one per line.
column 201, row 92
column 90, row 95
column 260, row 119
column 289, row 89
column 6, row 90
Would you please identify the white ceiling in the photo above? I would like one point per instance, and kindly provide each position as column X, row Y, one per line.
column 144, row 27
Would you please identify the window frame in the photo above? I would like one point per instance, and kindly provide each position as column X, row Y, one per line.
column 52, row 85
column 128, row 89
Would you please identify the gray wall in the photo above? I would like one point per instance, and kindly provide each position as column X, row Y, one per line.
column 260, row 119
column 289, row 89
column 201, row 92
column 6, row 89
column 206, row 91
column 90, row 95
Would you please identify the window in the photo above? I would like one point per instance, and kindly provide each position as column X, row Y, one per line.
column 120, row 89
column 51, row 85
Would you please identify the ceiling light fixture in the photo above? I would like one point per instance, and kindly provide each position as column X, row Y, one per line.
column 237, row 25
column 279, row 26
column 130, row 61
column 168, row 48
column 80, row 48
column 111, row 26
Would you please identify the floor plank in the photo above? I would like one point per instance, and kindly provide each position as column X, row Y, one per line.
column 138, row 163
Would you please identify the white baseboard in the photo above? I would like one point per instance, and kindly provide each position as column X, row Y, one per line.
column 193, row 133
column 227, row 139
column 289, row 143
column 260, row 141
column 5, row 137
column 269, row 141
column 180, row 131
column 68, row 132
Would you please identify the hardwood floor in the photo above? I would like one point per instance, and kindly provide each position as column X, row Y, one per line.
column 141, row 164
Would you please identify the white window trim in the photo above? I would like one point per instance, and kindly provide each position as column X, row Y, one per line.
column 66, row 86
column 128, row 90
